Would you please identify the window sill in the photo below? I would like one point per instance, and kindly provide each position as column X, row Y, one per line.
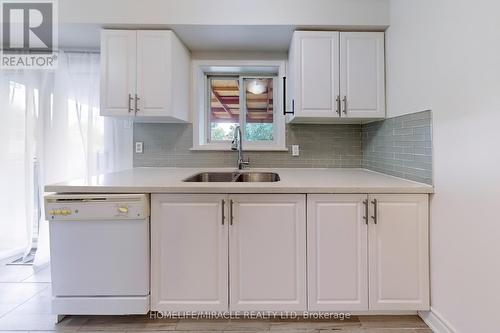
column 218, row 148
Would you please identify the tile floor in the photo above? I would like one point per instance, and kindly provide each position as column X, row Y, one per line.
column 25, row 307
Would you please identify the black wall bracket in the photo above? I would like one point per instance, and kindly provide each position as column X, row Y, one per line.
column 285, row 112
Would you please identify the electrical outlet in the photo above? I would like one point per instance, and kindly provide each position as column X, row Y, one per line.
column 139, row 147
column 295, row 150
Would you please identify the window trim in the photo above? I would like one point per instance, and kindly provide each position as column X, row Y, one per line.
column 202, row 69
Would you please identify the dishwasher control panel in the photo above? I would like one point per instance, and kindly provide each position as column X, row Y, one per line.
column 96, row 207
column 65, row 211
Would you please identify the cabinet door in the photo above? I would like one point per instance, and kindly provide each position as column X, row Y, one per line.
column 316, row 73
column 398, row 252
column 189, row 259
column 267, row 250
column 362, row 78
column 337, row 252
column 118, row 72
column 154, row 72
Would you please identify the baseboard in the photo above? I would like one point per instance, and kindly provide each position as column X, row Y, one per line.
column 436, row 322
column 106, row 305
column 382, row 313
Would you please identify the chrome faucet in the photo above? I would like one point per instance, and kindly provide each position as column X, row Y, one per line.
column 236, row 145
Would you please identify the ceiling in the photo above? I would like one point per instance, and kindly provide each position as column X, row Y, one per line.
column 195, row 37
column 199, row 38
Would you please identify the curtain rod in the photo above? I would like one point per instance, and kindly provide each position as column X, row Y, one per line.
column 81, row 51
column 68, row 51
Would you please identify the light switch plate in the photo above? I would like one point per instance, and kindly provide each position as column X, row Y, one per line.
column 295, row 150
column 139, row 147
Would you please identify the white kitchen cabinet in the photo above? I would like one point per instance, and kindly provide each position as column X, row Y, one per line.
column 144, row 75
column 362, row 87
column 337, row 252
column 247, row 252
column 189, row 256
column 398, row 252
column 336, row 77
column 118, row 72
column 314, row 73
column 359, row 265
column 267, row 241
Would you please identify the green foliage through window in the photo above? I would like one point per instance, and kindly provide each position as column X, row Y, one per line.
column 259, row 132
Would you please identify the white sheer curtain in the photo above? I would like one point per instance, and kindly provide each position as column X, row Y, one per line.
column 14, row 161
column 53, row 118
column 78, row 142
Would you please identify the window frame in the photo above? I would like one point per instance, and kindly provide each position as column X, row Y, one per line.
column 203, row 70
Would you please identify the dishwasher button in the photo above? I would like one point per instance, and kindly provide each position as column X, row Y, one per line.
column 123, row 210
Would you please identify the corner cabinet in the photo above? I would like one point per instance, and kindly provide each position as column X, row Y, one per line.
column 144, row 75
column 336, row 76
column 398, row 252
column 214, row 252
column 368, row 252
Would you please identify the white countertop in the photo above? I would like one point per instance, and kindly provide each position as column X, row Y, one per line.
column 293, row 180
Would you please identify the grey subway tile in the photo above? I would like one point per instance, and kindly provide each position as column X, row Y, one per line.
column 400, row 146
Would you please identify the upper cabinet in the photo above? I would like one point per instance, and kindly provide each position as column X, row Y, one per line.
column 362, row 87
column 118, row 72
column 336, row 76
column 144, row 75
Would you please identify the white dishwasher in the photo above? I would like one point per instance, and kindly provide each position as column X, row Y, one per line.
column 99, row 247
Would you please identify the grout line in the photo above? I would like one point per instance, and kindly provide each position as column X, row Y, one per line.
column 27, row 300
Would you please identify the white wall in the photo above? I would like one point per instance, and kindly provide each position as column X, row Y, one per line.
column 226, row 12
column 445, row 55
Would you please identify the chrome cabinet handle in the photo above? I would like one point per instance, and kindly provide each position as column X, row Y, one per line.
column 223, row 211
column 374, row 217
column 136, row 100
column 338, row 104
column 231, row 212
column 365, row 202
column 345, row 104
column 130, row 98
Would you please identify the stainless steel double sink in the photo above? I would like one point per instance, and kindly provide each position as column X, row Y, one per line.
column 233, row 177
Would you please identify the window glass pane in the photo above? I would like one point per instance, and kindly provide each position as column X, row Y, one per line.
column 224, row 112
column 259, row 105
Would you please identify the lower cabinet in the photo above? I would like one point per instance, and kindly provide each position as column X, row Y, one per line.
column 368, row 252
column 267, row 252
column 337, row 254
column 201, row 244
column 247, row 252
column 398, row 247
column 189, row 253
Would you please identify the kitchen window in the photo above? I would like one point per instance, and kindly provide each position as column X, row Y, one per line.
column 239, row 96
